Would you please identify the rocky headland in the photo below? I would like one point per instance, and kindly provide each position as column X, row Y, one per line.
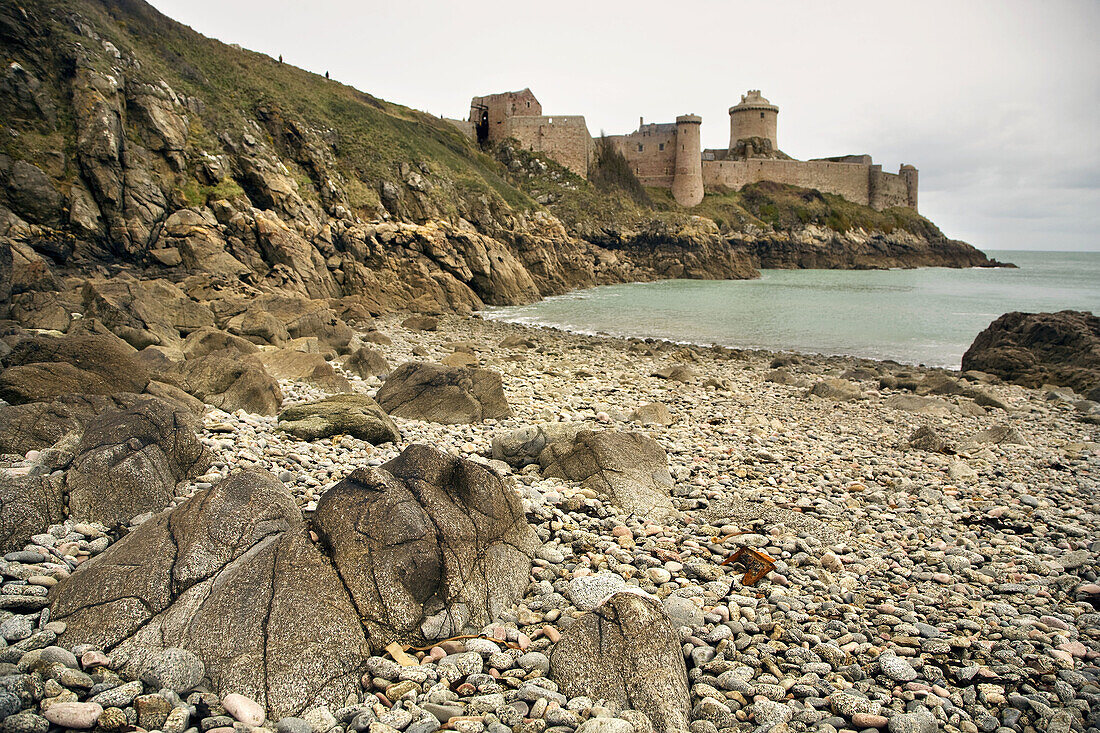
column 130, row 147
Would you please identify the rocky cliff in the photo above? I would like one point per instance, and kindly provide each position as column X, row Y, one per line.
column 133, row 143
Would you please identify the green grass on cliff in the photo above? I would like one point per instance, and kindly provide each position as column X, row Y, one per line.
column 368, row 137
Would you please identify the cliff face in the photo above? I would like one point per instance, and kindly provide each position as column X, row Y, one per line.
column 133, row 143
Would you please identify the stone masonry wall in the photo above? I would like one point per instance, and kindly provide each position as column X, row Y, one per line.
column 503, row 106
column 563, row 138
column 859, row 183
column 849, row 180
column 887, row 189
column 651, row 153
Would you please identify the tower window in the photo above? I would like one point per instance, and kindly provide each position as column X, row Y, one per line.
column 639, row 147
column 661, row 146
column 761, row 115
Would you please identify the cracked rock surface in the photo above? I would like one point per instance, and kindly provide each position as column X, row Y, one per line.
column 626, row 651
column 631, row 469
column 230, row 576
column 449, row 395
column 428, row 544
column 130, row 461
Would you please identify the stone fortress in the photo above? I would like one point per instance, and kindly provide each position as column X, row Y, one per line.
column 669, row 155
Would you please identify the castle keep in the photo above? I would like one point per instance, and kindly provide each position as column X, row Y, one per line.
column 669, row 155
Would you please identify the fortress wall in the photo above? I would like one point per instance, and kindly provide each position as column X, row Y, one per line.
column 651, row 154
column 465, row 126
column 503, row 106
column 563, row 138
column 849, row 180
column 889, row 189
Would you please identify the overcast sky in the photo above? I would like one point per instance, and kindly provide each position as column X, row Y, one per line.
column 995, row 102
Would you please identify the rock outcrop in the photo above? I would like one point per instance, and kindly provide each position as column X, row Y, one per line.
column 627, row 651
column 1034, row 349
column 631, row 469
column 429, row 545
column 130, row 461
column 229, row 576
column 438, row 393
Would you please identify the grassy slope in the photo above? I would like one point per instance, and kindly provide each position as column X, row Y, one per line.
column 370, row 137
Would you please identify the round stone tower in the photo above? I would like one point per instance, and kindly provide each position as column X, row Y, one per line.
column 754, row 117
column 687, row 183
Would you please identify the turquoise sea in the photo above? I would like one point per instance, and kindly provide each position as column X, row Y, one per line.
column 922, row 316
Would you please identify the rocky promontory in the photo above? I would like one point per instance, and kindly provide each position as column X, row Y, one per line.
column 129, row 147
column 1034, row 349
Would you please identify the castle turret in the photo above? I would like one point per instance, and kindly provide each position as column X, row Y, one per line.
column 909, row 174
column 687, row 182
column 755, row 118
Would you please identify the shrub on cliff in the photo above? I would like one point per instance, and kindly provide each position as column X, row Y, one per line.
column 612, row 171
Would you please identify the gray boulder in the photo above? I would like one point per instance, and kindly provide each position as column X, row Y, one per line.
column 230, row 576
column 276, row 318
column 309, row 368
column 208, row 340
column 366, row 362
column 654, row 413
column 630, row 469
column 347, row 414
column 39, row 425
column 237, row 382
column 29, row 502
column 130, row 461
column 676, row 373
column 840, row 390
column 449, row 395
column 429, row 545
column 43, row 367
column 626, row 651
column 927, row 439
column 522, row 447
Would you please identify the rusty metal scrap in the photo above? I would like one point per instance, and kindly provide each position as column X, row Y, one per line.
column 756, row 564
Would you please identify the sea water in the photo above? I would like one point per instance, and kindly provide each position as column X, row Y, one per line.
column 919, row 316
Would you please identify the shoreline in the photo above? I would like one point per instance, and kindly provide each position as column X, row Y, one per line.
column 901, row 573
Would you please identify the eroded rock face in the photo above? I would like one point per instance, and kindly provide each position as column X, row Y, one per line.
column 229, row 576
column 347, row 414
column 449, row 395
column 1033, row 349
column 429, row 545
column 631, row 469
column 130, row 461
column 626, row 651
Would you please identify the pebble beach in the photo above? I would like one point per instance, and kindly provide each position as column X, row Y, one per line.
column 913, row 590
